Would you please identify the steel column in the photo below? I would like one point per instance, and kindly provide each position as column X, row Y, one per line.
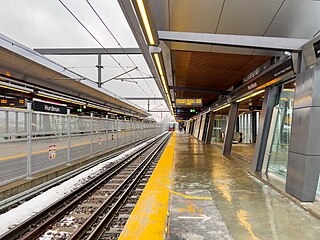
column 210, row 128
column 6, row 131
column 91, row 133
column 254, row 126
column 69, row 137
column 107, row 125
column 232, row 118
column 117, row 121
column 99, row 70
column 304, row 152
column 29, row 136
column 271, row 97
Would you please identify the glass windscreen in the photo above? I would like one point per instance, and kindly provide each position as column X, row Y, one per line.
column 278, row 155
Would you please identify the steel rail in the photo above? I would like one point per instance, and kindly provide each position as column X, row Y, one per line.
column 123, row 191
column 28, row 194
column 53, row 212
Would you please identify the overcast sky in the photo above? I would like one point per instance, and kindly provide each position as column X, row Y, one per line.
column 47, row 24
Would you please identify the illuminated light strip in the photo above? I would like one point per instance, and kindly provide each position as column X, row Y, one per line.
column 222, row 107
column 288, row 89
column 163, row 80
column 157, row 58
column 60, row 99
column 15, row 89
column 164, row 84
column 97, row 107
column 250, row 96
column 145, row 20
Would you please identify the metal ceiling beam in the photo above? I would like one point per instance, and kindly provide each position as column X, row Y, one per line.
column 130, row 14
column 144, row 98
column 199, row 90
column 87, row 51
column 253, row 42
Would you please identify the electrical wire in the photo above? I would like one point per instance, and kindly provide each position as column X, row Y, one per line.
column 106, row 50
column 119, row 44
column 91, row 34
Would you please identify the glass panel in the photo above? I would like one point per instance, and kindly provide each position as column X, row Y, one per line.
column 219, row 127
column 278, row 160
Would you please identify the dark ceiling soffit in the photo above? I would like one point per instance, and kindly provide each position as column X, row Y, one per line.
column 199, row 90
column 282, row 70
column 278, row 72
column 251, row 42
column 87, row 51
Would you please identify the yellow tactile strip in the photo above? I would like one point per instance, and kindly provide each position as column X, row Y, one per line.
column 149, row 217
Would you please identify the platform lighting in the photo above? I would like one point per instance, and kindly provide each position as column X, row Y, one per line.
column 8, row 86
column 158, row 63
column 55, row 97
column 97, row 107
column 164, row 84
column 163, row 79
column 146, row 23
column 250, row 96
column 222, row 107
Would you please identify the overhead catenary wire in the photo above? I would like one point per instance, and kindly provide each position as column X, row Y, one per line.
column 106, row 50
column 119, row 44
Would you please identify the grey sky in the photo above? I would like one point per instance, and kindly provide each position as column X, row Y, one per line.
column 47, row 24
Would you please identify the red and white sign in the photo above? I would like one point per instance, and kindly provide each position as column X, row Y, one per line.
column 52, row 151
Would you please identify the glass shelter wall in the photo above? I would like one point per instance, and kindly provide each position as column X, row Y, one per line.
column 278, row 152
column 219, row 128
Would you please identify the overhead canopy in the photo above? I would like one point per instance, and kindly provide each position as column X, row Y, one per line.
column 211, row 46
column 30, row 67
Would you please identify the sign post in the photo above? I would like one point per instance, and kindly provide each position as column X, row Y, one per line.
column 52, row 151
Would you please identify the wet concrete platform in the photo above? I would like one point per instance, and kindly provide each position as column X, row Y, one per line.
column 245, row 151
column 249, row 208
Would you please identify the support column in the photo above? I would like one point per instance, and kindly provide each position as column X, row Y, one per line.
column 210, row 128
column 91, row 133
column 304, row 152
column 254, row 126
column 232, row 118
column 29, row 141
column 271, row 97
column 69, row 137
column 99, row 71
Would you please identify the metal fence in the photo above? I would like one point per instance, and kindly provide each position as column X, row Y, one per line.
column 31, row 142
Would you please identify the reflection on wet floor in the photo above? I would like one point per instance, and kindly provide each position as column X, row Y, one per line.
column 250, row 209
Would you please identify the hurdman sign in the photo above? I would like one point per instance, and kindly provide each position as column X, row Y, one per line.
column 49, row 107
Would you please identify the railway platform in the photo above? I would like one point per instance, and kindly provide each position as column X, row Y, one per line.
column 197, row 193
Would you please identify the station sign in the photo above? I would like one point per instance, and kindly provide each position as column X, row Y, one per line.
column 316, row 47
column 44, row 106
column 189, row 102
column 13, row 102
column 274, row 75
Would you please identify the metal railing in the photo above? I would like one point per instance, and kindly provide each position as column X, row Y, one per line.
column 31, row 142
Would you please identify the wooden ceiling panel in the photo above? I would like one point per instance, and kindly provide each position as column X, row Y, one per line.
column 212, row 71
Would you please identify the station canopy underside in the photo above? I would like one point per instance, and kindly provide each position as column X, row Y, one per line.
column 211, row 71
column 38, row 72
column 217, row 67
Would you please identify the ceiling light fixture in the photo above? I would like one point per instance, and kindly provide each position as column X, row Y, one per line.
column 146, row 23
column 222, row 107
column 250, row 96
column 15, row 88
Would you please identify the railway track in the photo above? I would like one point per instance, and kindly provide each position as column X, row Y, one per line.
column 98, row 209
column 14, row 201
